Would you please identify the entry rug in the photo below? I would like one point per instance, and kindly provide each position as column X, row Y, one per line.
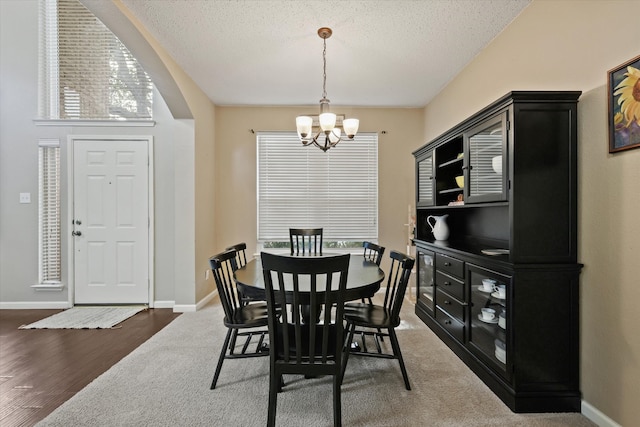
column 94, row 317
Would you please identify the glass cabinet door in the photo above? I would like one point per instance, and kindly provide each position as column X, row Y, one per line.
column 425, row 279
column 425, row 187
column 486, row 161
column 490, row 316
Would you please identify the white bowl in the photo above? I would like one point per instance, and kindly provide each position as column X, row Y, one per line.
column 496, row 163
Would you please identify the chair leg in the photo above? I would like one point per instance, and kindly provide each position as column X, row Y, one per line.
column 396, row 350
column 337, row 402
column 347, row 347
column 223, row 352
column 379, row 330
column 274, row 384
column 234, row 337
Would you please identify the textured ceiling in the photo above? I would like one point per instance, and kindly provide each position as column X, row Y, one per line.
column 382, row 53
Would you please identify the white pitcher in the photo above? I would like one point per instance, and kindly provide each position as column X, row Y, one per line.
column 439, row 228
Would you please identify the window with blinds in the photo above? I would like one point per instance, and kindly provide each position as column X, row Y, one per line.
column 49, row 211
column 86, row 73
column 304, row 187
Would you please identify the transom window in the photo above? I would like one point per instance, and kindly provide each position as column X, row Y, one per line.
column 86, row 73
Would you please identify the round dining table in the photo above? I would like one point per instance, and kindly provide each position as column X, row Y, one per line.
column 363, row 279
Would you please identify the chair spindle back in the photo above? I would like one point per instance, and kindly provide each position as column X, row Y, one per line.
column 305, row 240
column 399, row 275
column 223, row 265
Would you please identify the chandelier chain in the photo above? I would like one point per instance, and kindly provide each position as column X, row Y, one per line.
column 324, row 69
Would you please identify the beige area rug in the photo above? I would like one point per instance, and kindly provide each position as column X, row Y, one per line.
column 165, row 382
column 87, row 317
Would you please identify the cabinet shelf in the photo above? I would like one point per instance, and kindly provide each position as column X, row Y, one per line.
column 451, row 162
column 475, row 205
column 450, row 190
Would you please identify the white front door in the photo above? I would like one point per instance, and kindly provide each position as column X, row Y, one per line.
column 111, row 221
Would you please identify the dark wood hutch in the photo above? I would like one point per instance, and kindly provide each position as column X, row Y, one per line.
column 513, row 221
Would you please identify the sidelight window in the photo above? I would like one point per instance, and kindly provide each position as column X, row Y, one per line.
column 49, row 212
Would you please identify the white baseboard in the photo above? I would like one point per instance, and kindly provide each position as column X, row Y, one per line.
column 594, row 414
column 163, row 304
column 34, row 305
column 59, row 305
column 190, row 308
column 184, row 308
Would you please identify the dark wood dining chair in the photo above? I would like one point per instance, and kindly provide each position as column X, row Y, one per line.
column 241, row 253
column 241, row 261
column 296, row 347
column 373, row 252
column 305, row 240
column 368, row 320
column 247, row 321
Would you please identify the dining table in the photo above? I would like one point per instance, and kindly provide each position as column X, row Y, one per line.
column 363, row 278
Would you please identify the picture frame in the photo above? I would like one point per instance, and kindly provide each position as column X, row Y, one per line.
column 624, row 109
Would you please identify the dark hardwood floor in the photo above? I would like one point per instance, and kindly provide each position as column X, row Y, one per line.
column 42, row 368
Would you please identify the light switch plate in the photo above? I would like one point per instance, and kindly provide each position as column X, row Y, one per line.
column 25, row 197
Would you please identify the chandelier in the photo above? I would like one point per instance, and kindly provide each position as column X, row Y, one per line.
column 324, row 134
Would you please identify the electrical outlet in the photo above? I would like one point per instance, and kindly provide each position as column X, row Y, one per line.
column 206, row 274
column 25, row 197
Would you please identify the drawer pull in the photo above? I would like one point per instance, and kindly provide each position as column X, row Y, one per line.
column 447, row 322
column 447, row 302
column 447, row 264
column 447, row 283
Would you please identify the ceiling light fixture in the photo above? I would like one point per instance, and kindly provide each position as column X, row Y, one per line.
column 326, row 126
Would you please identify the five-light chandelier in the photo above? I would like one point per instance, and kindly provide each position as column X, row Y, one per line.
column 324, row 134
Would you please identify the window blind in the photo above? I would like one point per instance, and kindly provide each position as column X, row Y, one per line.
column 304, row 187
column 85, row 71
column 49, row 211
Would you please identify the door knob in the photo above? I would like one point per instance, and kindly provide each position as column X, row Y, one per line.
column 76, row 233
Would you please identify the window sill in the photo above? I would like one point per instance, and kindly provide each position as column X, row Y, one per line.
column 95, row 123
column 325, row 251
column 48, row 287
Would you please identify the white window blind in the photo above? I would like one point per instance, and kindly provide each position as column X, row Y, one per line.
column 305, row 187
column 86, row 73
column 49, row 211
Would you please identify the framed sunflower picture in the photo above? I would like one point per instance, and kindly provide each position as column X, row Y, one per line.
column 624, row 106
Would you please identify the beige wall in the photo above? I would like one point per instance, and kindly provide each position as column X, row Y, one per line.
column 570, row 45
column 236, row 166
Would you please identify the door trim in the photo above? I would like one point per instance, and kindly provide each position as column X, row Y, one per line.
column 66, row 239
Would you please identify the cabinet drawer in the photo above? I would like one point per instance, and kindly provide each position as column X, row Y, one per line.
column 453, row 326
column 450, row 265
column 451, row 305
column 452, row 286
